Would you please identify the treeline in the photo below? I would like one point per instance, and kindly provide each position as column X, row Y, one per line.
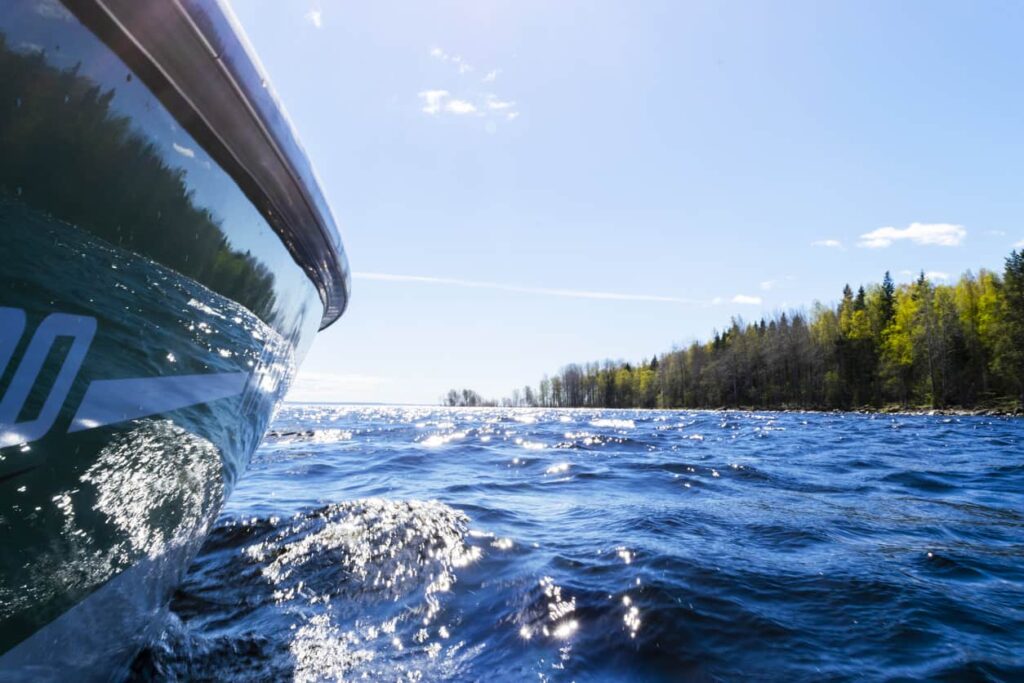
column 915, row 345
column 465, row 398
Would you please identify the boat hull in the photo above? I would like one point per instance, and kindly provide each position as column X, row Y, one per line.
column 151, row 320
column 171, row 388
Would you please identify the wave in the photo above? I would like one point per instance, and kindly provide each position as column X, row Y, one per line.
column 777, row 548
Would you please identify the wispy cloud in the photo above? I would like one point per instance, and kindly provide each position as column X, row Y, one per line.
column 768, row 285
column 460, row 107
column 936, row 275
column 498, row 105
column 438, row 53
column 183, row 151
column 437, row 101
column 432, row 100
column 941, row 234
column 747, row 300
column 461, row 65
column 544, row 291
column 1019, row 244
column 486, row 105
column 315, row 17
column 830, row 244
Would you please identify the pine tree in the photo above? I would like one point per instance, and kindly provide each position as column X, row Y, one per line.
column 1012, row 343
column 888, row 299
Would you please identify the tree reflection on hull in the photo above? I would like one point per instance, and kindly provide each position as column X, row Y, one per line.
column 67, row 153
column 79, row 508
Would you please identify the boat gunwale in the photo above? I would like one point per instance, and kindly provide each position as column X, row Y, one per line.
column 194, row 58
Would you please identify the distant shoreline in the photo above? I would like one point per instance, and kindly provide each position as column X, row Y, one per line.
column 909, row 346
column 992, row 411
column 887, row 410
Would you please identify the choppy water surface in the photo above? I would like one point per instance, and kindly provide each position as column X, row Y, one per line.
column 485, row 544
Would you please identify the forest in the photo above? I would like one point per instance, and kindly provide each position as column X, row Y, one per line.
column 916, row 345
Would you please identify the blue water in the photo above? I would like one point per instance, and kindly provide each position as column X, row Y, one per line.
column 488, row 544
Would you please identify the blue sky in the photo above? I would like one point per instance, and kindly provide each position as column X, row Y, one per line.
column 526, row 184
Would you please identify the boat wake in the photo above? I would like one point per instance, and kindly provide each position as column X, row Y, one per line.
column 320, row 575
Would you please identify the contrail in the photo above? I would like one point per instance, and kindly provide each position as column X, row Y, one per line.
column 544, row 291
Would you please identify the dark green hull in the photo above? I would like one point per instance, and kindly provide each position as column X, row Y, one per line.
column 152, row 311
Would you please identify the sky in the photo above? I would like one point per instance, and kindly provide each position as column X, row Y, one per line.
column 526, row 184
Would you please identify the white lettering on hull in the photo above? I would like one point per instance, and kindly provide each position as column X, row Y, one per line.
column 105, row 402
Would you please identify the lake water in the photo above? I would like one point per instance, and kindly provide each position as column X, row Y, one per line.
column 393, row 543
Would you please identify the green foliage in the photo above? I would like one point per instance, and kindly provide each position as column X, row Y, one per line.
column 919, row 344
column 1008, row 347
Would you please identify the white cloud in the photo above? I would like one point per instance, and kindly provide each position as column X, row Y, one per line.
column 1019, row 244
column 436, row 101
column 315, row 17
column 996, row 233
column 567, row 293
column 462, row 65
column 831, row 244
column 936, row 275
column 183, row 151
column 941, row 234
column 717, row 300
column 432, row 100
column 744, row 299
column 498, row 105
column 768, row 285
column 459, row 107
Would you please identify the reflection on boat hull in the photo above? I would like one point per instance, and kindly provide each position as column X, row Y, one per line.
column 151, row 319
column 168, row 397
